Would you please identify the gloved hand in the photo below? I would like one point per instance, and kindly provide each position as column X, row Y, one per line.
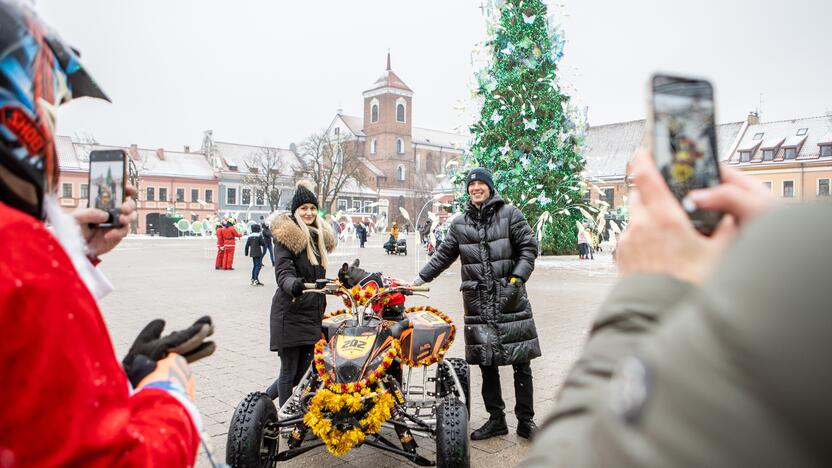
column 515, row 279
column 150, row 347
column 418, row 281
column 321, row 283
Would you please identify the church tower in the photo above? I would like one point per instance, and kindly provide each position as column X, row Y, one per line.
column 388, row 107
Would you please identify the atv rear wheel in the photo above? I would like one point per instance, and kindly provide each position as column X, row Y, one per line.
column 250, row 443
column 445, row 383
column 452, row 447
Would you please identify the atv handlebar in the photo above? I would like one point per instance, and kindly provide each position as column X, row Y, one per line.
column 333, row 287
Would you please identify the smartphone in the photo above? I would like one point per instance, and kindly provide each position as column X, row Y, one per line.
column 108, row 183
column 683, row 138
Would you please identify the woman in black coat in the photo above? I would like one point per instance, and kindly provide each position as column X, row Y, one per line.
column 301, row 243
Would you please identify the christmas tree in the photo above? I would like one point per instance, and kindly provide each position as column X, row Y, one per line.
column 529, row 134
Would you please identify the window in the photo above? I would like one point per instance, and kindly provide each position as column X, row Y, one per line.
column 767, row 185
column 745, row 156
column 85, row 191
column 337, row 131
column 399, row 112
column 400, row 173
column 823, row 187
column 367, row 207
column 609, row 196
column 151, row 194
column 790, row 153
column 356, row 205
column 826, row 150
column 399, row 146
column 373, row 146
column 194, row 195
column 342, row 204
column 802, row 131
column 374, row 110
column 788, row 189
column 67, row 190
column 180, row 195
column 163, row 194
column 260, row 197
column 209, row 196
column 768, row 154
column 245, row 196
column 338, row 156
column 758, row 136
column 231, row 196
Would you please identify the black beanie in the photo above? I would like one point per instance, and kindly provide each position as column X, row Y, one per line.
column 303, row 195
column 481, row 174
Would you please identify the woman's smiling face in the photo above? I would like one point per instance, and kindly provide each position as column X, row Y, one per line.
column 307, row 213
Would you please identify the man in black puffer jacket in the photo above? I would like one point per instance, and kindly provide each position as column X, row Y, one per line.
column 497, row 248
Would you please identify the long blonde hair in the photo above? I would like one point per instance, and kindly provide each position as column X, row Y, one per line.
column 310, row 252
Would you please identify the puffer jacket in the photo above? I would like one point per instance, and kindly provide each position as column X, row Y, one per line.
column 494, row 243
column 295, row 317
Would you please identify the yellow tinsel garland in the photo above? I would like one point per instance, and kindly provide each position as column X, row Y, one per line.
column 340, row 442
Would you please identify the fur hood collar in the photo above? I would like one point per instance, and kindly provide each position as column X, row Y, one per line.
column 288, row 233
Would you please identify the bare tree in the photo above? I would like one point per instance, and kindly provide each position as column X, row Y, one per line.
column 264, row 175
column 331, row 163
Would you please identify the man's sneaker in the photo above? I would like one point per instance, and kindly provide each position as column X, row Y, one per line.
column 491, row 428
column 526, row 429
column 258, row 283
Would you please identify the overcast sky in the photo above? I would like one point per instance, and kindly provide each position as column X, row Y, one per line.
column 270, row 72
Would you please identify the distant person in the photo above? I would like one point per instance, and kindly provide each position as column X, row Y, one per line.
column 361, row 233
column 303, row 241
column 267, row 236
column 497, row 248
column 218, row 263
column 230, row 235
column 394, row 231
column 256, row 249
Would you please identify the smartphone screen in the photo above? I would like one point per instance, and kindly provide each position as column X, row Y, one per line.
column 684, row 140
column 108, row 174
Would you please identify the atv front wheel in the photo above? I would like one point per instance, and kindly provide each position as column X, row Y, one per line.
column 446, row 382
column 452, row 434
column 251, row 444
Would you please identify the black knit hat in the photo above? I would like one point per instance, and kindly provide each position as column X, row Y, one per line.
column 303, row 195
column 481, row 174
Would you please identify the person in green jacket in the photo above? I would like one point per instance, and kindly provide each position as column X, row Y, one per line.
column 709, row 351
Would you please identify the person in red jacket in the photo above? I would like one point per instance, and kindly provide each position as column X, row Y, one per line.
column 66, row 400
column 230, row 235
column 218, row 263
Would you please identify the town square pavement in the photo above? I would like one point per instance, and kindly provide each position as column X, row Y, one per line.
column 175, row 279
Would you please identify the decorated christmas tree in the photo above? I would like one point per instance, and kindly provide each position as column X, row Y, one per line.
column 528, row 133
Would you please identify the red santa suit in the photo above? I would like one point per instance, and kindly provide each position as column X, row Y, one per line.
column 230, row 234
column 65, row 398
column 218, row 263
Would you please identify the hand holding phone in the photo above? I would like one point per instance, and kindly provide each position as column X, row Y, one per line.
column 683, row 141
column 108, row 184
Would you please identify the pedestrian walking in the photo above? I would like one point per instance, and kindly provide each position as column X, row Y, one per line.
column 302, row 243
column 583, row 242
column 361, row 232
column 256, row 249
column 266, row 232
column 497, row 248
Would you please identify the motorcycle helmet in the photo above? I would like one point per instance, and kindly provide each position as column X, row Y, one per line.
column 38, row 72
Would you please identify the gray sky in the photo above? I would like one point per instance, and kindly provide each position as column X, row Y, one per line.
column 258, row 71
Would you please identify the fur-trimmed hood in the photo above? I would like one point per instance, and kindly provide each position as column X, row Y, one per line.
column 288, row 233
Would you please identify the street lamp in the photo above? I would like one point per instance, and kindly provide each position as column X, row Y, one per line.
column 416, row 241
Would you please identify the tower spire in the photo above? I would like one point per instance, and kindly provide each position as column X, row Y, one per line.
column 388, row 59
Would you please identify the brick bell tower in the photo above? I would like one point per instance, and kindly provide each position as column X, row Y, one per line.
column 388, row 106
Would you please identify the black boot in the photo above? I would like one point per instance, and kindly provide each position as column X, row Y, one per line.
column 492, row 427
column 526, row 429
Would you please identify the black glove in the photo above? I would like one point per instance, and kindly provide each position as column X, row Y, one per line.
column 297, row 288
column 321, row 283
column 150, row 347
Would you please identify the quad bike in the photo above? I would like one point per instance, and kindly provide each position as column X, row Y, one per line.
column 355, row 385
